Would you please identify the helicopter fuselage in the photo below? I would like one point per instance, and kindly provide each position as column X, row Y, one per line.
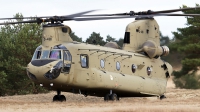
column 95, row 70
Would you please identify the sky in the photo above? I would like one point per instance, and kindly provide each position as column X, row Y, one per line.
column 114, row 28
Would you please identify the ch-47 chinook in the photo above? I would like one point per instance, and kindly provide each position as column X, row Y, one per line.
column 136, row 70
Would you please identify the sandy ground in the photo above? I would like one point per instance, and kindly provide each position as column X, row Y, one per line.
column 178, row 100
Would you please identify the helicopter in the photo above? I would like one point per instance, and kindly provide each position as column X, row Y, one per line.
column 135, row 70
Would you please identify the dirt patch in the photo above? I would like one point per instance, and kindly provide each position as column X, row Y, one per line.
column 178, row 100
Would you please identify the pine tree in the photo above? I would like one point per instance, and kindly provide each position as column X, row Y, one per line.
column 75, row 37
column 188, row 45
column 95, row 38
column 17, row 44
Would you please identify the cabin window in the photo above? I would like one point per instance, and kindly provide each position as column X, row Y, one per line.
column 102, row 63
column 117, row 65
column 55, row 54
column 84, row 60
column 134, row 67
column 149, row 71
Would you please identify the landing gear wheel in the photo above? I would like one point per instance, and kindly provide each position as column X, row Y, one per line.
column 55, row 98
column 162, row 97
column 111, row 97
column 107, row 97
column 114, row 97
column 62, row 98
column 59, row 97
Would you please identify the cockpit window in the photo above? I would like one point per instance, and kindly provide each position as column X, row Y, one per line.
column 45, row 54
column 36, row 55
column 55, row 54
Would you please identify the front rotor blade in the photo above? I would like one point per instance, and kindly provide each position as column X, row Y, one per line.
column 31, row 21
column 117, row 14
column 79, row 14
column 102, row 18
column 18, row 18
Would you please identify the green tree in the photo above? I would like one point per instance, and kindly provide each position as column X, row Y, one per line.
column 95, row 38
column 164, row 40
column 110, row 39
column 120, row 42
column 75, row 37
column 17, row 44
column 188, row 45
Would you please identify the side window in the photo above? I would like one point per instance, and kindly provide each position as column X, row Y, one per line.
column 84, row 60
column 134, row 67
column 149, row 71
column 102, row 63
column 118, row 65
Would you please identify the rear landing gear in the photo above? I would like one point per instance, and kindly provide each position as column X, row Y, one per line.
column 111, row 97
column 59, row 97
column 162, row 97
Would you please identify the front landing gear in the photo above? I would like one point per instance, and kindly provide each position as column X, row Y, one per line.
column 59, row 97
column 111, row 97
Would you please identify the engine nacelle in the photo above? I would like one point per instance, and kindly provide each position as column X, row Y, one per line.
column 153, row 50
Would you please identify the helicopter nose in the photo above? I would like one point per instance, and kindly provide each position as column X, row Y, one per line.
column 54, row 72
column 48, row 71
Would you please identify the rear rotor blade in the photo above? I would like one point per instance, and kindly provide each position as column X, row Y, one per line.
column 149, row 12
column 176, row 15
column 174, row 10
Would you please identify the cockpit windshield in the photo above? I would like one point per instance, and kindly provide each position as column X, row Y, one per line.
column 55, row 54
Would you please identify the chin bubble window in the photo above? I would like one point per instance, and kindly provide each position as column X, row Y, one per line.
column 102, row 63
column 149, row 70
column 134, row 67
column 117, row 65
column 84, row 61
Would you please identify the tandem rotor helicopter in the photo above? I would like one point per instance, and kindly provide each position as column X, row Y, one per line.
column 107, row 71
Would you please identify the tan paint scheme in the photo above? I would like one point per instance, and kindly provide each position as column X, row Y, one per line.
column 96, row 78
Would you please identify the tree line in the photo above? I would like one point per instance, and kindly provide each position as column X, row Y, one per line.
column 18, row 42
column 96, row 38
